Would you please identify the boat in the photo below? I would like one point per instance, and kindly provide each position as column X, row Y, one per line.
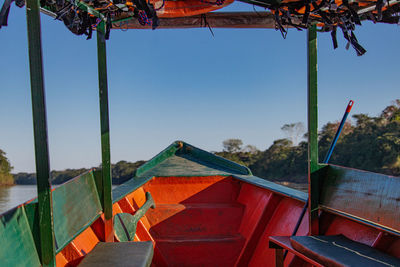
column 189, row 207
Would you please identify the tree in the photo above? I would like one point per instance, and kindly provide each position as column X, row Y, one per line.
column 6, row 177
column 233, row 151
column 392, row 112
column 123, row 170
column 327, row 134
column 282, row 162
column 294, row 131
column 371, row 143
column 251, row 149
column 232, row 145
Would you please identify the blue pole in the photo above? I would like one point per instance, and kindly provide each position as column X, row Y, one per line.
column 338, row 132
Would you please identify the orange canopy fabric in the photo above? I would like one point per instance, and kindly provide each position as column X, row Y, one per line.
column 184, row 8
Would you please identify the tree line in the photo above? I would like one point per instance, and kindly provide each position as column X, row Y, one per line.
column 369, row 143
column 121, row 172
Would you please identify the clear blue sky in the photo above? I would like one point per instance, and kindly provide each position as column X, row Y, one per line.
column 166, row 85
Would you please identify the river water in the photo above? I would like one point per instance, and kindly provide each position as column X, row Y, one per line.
column 12, row 196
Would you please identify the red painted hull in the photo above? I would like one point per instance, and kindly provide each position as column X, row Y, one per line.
column 220, row 221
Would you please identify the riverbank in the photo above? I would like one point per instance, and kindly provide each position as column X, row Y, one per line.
column 121, row 172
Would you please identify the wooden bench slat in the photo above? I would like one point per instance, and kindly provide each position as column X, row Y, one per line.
column 338, row 251
column 120, row 254
column 283, row 242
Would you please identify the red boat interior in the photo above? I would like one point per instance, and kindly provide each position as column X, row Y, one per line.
column 220, row 221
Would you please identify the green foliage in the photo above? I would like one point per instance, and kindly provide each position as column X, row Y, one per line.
column 282, row 160
column 232, row 145
column 121, row 172
column 245, row 156
column 6, row 177
column 372, row 144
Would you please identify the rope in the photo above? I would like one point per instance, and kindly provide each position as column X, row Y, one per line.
column 143, row 19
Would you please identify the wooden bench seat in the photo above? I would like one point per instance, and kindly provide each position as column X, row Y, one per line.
column 120, row 254
column 367, row 198
column 279, row 243
column 333, row 251
column 125, row 252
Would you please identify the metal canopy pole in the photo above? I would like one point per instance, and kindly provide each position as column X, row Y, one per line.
column 313, row 188
column 105, row 134
column 47, row 246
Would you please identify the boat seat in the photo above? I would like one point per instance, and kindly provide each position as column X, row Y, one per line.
column 125, row 252
column 120, row 254
column 332, row 251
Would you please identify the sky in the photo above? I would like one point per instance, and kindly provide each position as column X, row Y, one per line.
column 168, row 85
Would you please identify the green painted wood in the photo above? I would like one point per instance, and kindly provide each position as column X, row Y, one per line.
column 185, row 163
column 178, row 151
column 312, row 85
column 312, row 128
column 104, row 122
column 364, row 195
column 40, row 133
column 32, row 214
column 213, row 160
column 160, row 157
column 76, row 207
column 98, row 179
column 125, row 227
column 125, row 224
column 85, row 7
column 128, row 187
column 17, row 244
column 185, row 166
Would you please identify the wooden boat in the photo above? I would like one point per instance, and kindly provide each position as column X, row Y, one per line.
column 188, row 207
column 208, row 212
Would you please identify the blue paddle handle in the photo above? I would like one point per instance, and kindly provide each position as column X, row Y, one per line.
column 339, row 130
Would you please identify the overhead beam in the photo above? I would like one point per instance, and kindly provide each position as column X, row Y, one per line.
column 243, row 20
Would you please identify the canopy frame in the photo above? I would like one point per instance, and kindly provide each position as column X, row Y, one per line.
column 45, row 204
column 47, row 240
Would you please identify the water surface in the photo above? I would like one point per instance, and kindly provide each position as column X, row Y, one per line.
column 12, row 196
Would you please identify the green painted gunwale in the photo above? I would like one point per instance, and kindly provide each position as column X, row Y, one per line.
column 175, row 159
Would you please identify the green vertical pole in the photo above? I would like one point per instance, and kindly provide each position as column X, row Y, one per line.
column 312, row 129
column 47, row 247
column 105, row 132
